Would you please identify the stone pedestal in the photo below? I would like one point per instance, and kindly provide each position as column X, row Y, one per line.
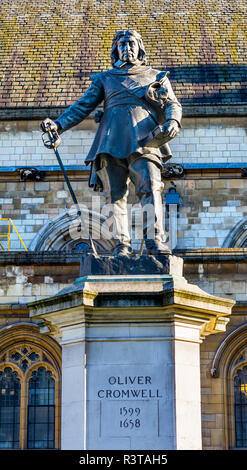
column 131, row 359
column 121, row 265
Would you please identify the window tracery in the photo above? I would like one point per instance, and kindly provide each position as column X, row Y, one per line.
column 25, row 356
column 29, row 375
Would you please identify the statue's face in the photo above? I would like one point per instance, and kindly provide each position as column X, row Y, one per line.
column 128, row 49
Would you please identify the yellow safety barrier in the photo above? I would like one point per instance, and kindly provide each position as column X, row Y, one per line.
column 11, row 223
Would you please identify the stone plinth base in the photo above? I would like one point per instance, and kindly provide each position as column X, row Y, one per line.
column 135, row 264
column 131, row 359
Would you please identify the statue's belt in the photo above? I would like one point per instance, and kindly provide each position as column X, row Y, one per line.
column 120, row 99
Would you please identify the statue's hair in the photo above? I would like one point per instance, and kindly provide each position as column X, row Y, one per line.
column 130, row 32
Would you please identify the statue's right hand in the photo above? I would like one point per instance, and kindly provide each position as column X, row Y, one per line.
column 48, row 125
column 50, row 130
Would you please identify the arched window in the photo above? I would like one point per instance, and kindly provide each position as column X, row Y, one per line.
column 61, row 233
column 229, row 368
column 10, row 399
column 240, row 402
column 30, row 381
column 237, row 237
column 41, row 410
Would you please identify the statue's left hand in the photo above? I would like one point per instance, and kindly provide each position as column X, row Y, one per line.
column 171, row 128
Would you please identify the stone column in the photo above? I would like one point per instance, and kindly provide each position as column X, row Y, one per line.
column 131, row 359
column 73, row 387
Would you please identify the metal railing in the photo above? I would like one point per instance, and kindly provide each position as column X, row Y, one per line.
column 11, row 224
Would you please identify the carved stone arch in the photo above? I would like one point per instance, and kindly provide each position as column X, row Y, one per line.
column 61, row 233
column 35, row 368
column 229, row 350
column 237, row 237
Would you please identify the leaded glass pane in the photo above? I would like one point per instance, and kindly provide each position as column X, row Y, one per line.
column 240, row 394
column 10, row 390
column 41, row 410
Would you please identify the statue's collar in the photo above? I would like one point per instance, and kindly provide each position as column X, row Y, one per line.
column 129, row 69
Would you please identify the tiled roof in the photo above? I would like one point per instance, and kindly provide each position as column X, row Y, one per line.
column 49, row 48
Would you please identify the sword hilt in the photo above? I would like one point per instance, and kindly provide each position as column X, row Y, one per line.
column 53, row 140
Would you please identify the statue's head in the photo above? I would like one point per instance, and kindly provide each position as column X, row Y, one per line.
column 128, row 46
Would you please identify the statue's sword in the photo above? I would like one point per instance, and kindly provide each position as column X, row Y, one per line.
column 53, row 142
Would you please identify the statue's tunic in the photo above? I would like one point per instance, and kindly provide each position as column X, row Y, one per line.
column 128, row 117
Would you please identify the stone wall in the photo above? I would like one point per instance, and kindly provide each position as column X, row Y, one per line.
column 201, row 140
column 212, row 190
column 21, row 144
column 219, row 272
column 24, row 279
column 31, row 204
column 212, row 204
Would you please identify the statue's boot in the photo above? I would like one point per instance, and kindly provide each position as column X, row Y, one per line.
column 115, row 181
column 121, row 230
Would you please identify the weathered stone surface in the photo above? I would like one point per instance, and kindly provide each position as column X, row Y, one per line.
column 145, row 264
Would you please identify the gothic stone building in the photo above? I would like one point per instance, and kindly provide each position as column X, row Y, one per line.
column 48, row 51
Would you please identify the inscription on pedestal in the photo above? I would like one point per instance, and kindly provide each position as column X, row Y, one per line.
column 129, row 405
column 139, row 418
column 129, row 387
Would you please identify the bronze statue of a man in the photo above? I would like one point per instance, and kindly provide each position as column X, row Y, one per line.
column 141, row 114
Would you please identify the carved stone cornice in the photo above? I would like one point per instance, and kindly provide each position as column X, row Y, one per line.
column 143, row 299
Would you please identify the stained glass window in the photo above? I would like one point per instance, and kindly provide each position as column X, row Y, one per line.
column 240, row 395
column 41, row 410
column 10, row 393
